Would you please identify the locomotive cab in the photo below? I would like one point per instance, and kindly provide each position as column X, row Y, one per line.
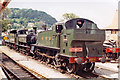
column 86, row 40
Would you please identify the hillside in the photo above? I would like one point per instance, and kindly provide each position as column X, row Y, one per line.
column 22, row 17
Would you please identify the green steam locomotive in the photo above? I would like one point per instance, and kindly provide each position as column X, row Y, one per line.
column 75, row 45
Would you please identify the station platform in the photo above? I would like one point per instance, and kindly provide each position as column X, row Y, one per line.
column 32, row 64
column 107, row 65
column 107, row 69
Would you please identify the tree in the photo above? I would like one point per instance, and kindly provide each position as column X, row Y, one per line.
column 4, row 21
column 5, row 13
column 68, row 16
column 25, row 16
column 5, row 25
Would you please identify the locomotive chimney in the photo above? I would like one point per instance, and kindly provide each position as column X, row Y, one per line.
column 35, row 29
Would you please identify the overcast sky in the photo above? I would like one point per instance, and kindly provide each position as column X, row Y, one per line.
column 99, row 11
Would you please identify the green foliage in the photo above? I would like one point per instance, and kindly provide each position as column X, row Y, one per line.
column 5, row 25
column 68, row 16
column 25, row 16
column 5, row 13
column 4, row 22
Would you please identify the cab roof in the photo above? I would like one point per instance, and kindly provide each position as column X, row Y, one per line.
column 72, row 23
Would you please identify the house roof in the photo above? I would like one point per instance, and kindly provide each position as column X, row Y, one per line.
column 114, row 24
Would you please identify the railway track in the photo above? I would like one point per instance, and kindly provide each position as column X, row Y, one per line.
column 14, row 70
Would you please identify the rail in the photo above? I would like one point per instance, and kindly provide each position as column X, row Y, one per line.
column 17, row 71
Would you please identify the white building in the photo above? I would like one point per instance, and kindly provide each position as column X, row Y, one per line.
column 112, row 31
column 31, row 24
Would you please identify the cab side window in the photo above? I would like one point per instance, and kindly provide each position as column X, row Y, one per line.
column 79, row 23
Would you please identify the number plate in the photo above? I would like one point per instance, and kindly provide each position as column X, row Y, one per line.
column 75, row 49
